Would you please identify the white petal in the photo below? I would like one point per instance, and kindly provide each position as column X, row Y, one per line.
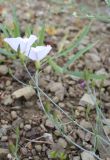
column 31, row 40
column 25, row 43
column 39, row 52
column 13, row 42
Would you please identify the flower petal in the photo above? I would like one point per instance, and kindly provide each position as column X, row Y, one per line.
column 25, row 43
column 13, row 42
column 31, row 40
column 39, row 52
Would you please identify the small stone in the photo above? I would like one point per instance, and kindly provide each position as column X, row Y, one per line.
column 76, row 158
column 102, row 71
column 62, row 142
column 81, row 134
column 3, row 69
column 24, row 151
column 4, row 138
column 16, row 108
column 48, row 137
column 7, row 100
column 87, row 137
column 38, row 148
column 26, row 92
column 9, row 156
column 106, row 129
column 62, row 105
column 77, row 113
column 49, row 124
column 86, row 124
column 27, row 127
column 48, row 69
column 36, row 158
column 8, row 83
column 13, row 114
column 87, row 156
column 29, row 145
column 3, row 152
column 57, row 133
column 21, row 125
column 58, row 89
column 93, row 57
column 17, row 122
column 87, row 99
column 106, row 121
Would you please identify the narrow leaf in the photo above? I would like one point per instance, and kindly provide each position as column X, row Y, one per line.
column 78, row 55
column 41, row 36
column 77, row 40
column 16, row 30
column 55, row 66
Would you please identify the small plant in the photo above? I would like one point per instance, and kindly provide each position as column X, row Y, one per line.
column 58, row 155
column 14, row 148
column 32, row 48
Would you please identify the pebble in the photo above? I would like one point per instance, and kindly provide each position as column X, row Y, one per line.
column 7, row 100
column 48, row 137
column 3, row 69
column 58, row 89
column 3, row 151
column 38, row 148
column 102, row 71
column 62, row 142
column 106, row 129
column 87, row 156
column 13, row 114
column 87, row 137
column 17, row 122
column 48, row 69
column 57, row 133
column 81, row 134
column 86, row 124
column 9, row 156
column 49, row 124
column 4, row 138
column 27, row 127
column 23, row 150
column 93, row 57
column 21, row 125
column 26, row 92
column 36, row 158
column 87, row 99
column 76, row 158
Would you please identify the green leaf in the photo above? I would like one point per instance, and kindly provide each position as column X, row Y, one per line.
column 17, row 131
column 54, row 154
column 7, row 53
column 55, row 66
column 41, row 36
column 16, row 30
column 78, row 55
column 79, row 37
column 28, row 30
column 12, row 148
column 4, row 30
column 81, row 75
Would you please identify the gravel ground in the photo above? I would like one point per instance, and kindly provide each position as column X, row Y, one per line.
column 20, row 106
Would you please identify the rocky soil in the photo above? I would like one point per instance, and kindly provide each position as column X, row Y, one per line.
column 20, row 105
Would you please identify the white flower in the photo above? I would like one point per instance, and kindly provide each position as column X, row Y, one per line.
column 39, row 52
column 24, row 43
column 35, row 54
